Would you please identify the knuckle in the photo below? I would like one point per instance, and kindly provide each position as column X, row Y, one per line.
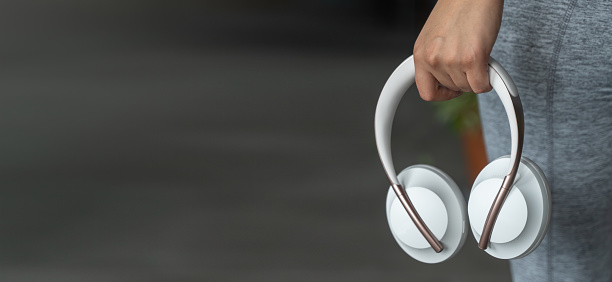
column 418, row 48
column 433, row 59
column 473, row 58
column 468, row 60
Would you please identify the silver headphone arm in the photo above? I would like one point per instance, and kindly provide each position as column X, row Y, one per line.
column 504, row 190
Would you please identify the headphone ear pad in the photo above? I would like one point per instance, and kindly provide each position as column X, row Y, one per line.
column 440, row 204
column 525, row 215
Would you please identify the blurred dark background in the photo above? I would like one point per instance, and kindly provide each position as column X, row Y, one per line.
column 210, row 141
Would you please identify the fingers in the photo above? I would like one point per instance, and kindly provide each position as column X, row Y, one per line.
column 430, row 88
column 456, row 76
column 460, row 79
column 453, row 47
column 468, row 72
column 478, row 78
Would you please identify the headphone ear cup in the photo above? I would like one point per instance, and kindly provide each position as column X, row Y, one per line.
column 525, row 215
column 442, row 207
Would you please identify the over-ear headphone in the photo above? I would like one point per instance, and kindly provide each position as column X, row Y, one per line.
column 509, row 206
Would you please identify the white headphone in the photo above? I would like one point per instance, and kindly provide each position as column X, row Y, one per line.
column 509, row 206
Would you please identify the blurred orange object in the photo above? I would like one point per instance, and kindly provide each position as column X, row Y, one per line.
column 474, row 152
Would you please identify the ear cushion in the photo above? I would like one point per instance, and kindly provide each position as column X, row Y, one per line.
column 525, row 215
column 441, row 205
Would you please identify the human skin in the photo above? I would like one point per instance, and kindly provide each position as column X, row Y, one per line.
column 452, row 51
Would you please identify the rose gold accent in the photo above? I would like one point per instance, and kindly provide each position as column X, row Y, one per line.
column 504, row 190
column 416, row 218
column 493, row 213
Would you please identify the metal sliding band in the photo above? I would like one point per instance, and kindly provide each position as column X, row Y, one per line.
column 504, row 190
column 416, row 218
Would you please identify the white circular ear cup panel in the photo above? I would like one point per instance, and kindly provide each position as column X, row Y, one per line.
column 445, row 189
column 512, row 217
column 535, row 190
column 431, row 209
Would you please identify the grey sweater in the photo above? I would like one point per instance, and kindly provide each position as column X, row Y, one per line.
column 559, row 53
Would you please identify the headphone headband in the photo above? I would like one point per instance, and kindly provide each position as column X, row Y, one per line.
column 393, row 91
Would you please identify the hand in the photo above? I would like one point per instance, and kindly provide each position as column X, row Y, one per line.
column 454, row 46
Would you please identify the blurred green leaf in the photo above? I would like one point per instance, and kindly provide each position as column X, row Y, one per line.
column 461, row 113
